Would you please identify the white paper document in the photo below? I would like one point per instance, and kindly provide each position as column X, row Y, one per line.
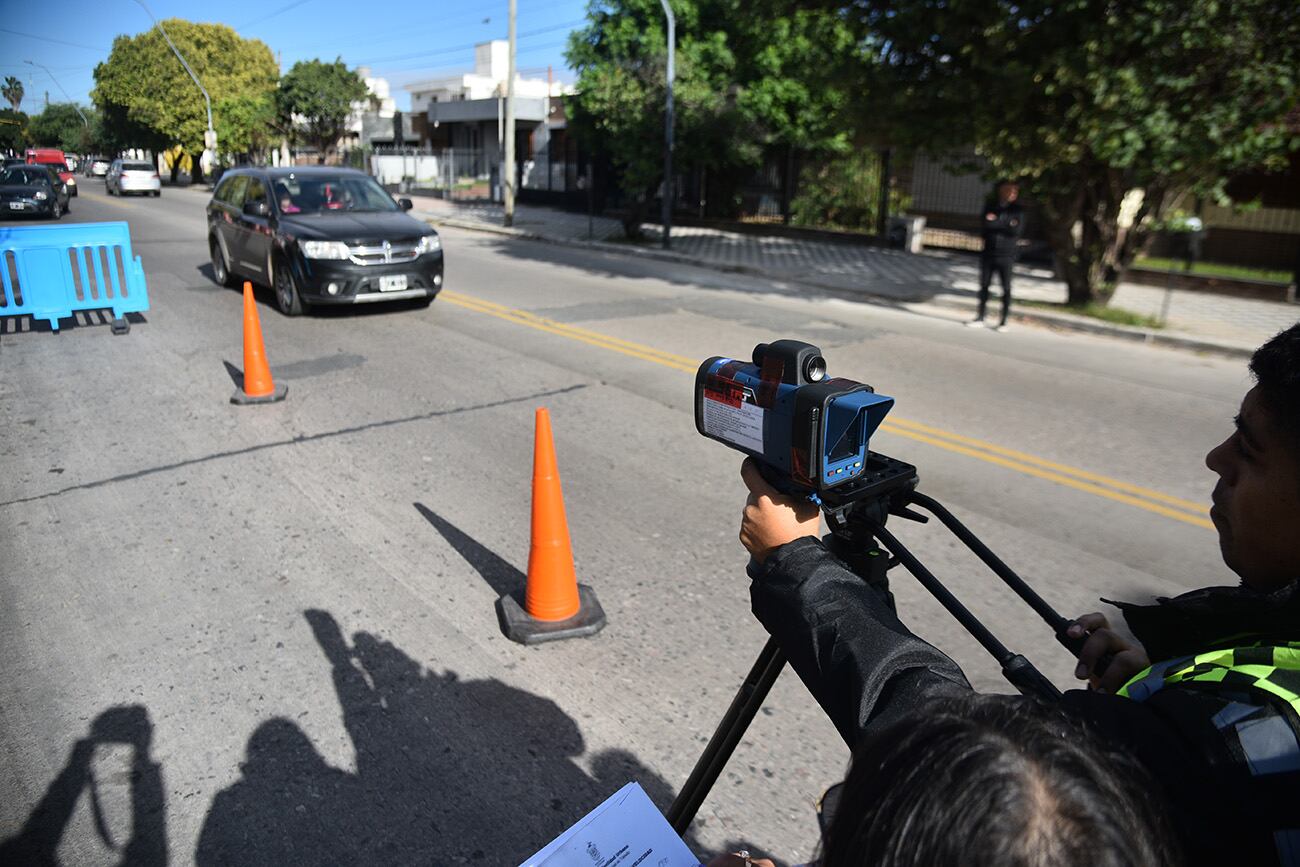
column 625, row 831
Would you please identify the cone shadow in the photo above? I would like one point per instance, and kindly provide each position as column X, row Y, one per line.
column 236, row 375
column 500, row 575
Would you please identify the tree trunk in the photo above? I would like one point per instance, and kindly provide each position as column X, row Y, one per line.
column 1092, row 251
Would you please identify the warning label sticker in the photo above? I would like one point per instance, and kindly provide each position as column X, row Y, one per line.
column 736, row 421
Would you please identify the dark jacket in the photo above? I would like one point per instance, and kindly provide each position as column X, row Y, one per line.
column 866, row 669
column 1003, row 231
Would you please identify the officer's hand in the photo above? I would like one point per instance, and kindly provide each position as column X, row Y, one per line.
column 1128, row 657
column 771, row 518
column 733, row 860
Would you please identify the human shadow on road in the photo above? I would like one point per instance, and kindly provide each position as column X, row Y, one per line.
column 447, row 771
column 38, row 842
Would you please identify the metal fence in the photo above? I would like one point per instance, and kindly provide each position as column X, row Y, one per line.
column 454, row 173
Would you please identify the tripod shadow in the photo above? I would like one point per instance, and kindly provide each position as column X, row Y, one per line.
column 37, row 843
column 447, row 771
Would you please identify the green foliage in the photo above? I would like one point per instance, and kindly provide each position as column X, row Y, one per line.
column 1096, row 310
column 1088, row 99
column 744, row 84
column 13, row 130
column 58, row 126
column 843, row 193
column 13, row 91
column 245, row 123
column 1214, row 269
column 315, row 99
column 148, row 100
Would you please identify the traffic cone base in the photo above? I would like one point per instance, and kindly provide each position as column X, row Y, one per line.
column 518, row 625
column 243, row 399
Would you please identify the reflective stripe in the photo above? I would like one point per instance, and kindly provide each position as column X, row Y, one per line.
column 1253, row 667
column 1149, row 680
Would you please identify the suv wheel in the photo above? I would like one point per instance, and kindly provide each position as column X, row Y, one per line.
column 220, row 271
column 287, row 298
column 56, row 210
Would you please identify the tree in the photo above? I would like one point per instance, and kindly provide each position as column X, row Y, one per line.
column 13, row 91
column 1091, row 103
column 245, row 123
column 744, row 85
column 148, row 100
column 315, row 99
column 58, row 126
column 13, row 130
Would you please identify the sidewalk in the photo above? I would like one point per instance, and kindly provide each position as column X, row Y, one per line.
column 1194, row 320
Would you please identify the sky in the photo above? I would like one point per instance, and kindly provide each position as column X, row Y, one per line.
column 400, row 41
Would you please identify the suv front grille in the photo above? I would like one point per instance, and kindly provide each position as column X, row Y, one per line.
column 384, row 254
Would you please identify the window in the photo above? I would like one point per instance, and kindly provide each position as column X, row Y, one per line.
column 222, row 192
column 238, row 184
column 256, row 191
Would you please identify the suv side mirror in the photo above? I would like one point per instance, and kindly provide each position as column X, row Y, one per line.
column 256, row 209
column 405, row 204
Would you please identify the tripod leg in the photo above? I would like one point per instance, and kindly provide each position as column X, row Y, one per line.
column 750, row 697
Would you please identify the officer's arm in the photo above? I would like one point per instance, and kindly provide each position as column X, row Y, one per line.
column 864, row 667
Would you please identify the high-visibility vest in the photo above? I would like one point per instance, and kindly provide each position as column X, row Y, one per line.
column 1269, row 671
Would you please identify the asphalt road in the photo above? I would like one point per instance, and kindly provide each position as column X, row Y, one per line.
column 267, row 634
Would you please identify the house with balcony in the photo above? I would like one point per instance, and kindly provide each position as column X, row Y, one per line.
column 464, row 114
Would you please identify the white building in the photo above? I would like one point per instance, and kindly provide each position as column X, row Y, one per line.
column 487, row 81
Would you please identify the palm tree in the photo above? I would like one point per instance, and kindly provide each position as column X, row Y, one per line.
column 13, row 91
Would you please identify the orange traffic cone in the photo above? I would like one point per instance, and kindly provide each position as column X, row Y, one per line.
column 258, row 385
column 555, row 604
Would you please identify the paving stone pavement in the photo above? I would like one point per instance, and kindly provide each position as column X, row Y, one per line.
column 942, row 277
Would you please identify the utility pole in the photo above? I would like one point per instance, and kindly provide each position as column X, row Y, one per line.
column 60, row 87
column 508, row 171
column 209, row 137
column 668, row 131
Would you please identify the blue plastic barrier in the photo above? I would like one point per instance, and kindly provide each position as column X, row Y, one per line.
column 49, row 272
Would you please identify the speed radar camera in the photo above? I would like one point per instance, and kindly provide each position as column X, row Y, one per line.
column 808, row 432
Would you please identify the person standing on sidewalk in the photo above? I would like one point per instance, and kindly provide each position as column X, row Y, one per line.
column 1002, row 227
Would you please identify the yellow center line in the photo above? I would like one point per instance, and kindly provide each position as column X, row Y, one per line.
column 916, row 426
column 1031, row 465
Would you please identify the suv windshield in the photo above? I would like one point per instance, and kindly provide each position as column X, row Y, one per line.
column 24, row 177
column 325, row 193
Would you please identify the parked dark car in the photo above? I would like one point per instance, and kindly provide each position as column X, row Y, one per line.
column 32, row 189
column 320, row 235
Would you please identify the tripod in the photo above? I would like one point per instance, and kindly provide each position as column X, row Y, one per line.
column 856, row 516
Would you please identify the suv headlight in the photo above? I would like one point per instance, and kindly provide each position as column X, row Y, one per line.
column 428, row 244
column 40, row 196
column 324, row 249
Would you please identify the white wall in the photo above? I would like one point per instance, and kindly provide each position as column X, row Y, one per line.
column 391, row 168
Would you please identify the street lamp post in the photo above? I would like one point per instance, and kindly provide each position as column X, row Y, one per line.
column 210, row 137
column 668, row 132
column 76, row 107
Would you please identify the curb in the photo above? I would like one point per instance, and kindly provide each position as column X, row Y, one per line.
column 1148, row 336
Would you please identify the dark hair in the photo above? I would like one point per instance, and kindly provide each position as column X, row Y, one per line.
column 995, row 780
column 1276, row 367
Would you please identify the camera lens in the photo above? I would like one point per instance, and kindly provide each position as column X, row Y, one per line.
column 814, row 368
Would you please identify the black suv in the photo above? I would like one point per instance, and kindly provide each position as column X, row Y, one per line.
column 320, row 235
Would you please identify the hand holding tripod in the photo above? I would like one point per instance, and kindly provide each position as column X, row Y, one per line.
column 856, row 516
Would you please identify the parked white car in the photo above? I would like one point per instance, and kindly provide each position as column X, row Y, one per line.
column 132, row 176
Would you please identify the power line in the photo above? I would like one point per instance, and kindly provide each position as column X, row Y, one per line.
column 468, row 47
column 269, row 15
column 48, row 39
column 402, row 33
